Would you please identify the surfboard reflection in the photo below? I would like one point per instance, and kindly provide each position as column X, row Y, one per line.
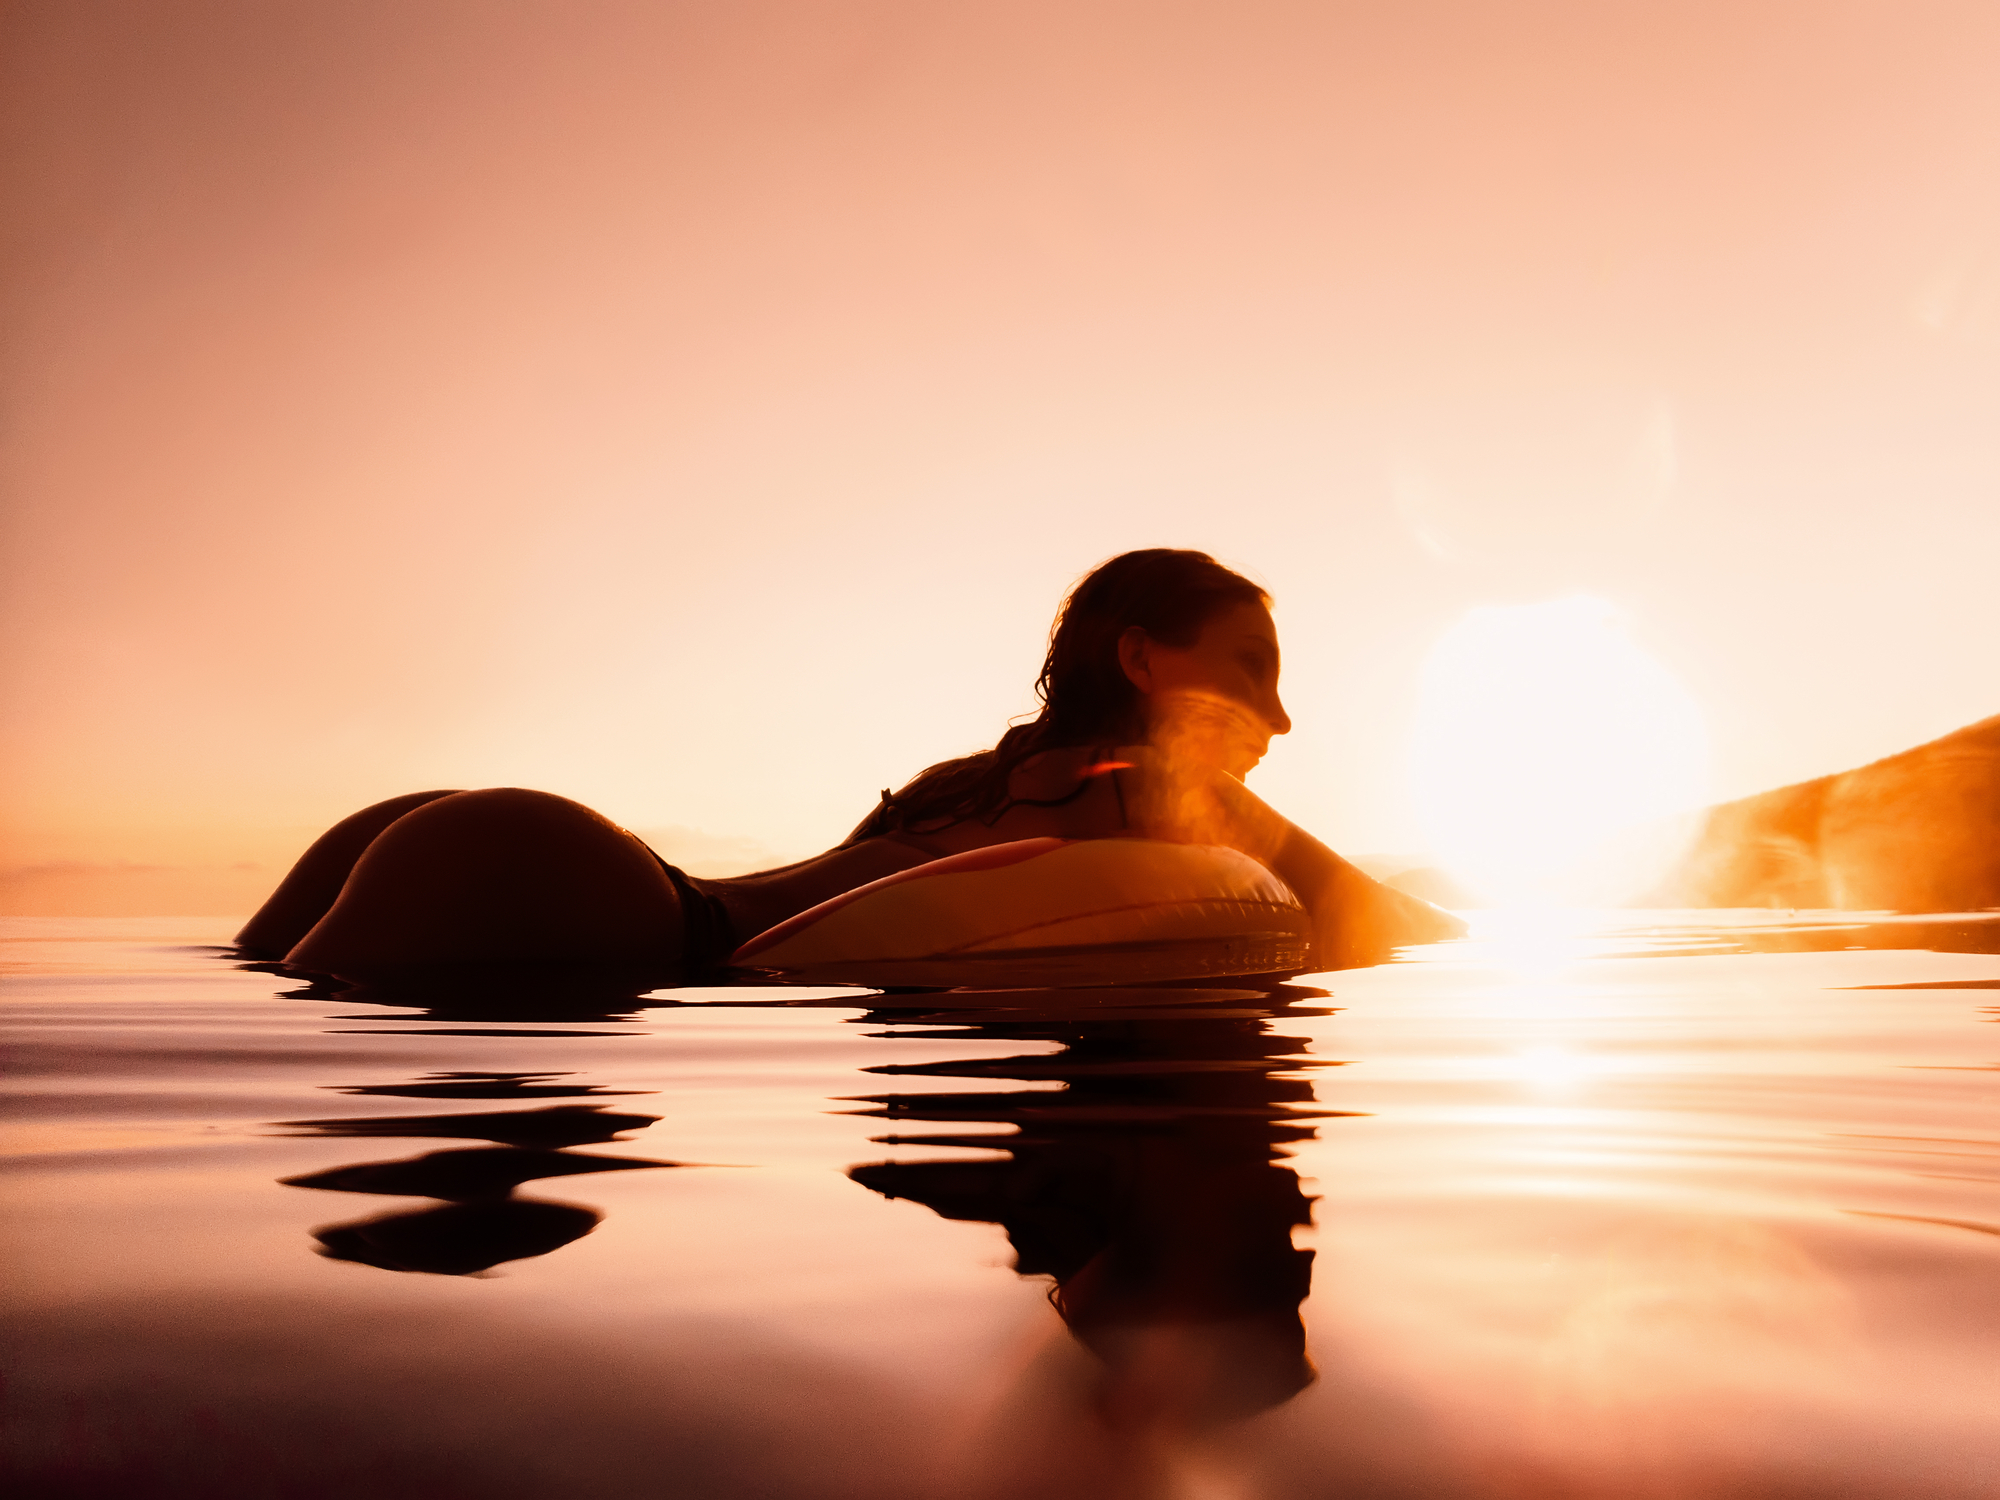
column 1149, row 1187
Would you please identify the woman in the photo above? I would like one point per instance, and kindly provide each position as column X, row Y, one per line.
column 1159, row 694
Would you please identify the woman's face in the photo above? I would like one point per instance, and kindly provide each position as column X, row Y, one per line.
column 1216, row 700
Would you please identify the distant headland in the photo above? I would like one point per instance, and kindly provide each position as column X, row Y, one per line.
column 1917, row 831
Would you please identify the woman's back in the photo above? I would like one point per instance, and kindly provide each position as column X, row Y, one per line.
column 1075, row 792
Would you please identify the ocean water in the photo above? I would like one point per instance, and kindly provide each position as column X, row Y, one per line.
column 1620, row 1205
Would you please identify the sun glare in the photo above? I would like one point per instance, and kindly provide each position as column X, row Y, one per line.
column 1555, row 761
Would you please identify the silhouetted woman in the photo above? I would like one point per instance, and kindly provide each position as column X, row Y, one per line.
column 1159, row 694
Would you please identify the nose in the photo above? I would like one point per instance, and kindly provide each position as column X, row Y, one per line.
column 1281, row 722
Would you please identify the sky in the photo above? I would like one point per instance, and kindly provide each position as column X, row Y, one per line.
column 698, row 409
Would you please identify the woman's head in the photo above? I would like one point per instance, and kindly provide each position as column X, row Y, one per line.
column 1162, row 640
column 1162, row 645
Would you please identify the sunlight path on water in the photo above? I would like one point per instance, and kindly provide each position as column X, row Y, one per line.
column 1676, row 1225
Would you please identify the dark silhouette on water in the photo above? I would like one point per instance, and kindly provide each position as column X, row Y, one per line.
column 481, row 1223
column 1159, row 693
column 481, row 1086
column 492, row 994
column 539, row 1129
column 463, row 1176
column 1149, row 1188
column 459, row 1239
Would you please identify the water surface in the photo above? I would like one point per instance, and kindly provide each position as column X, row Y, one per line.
column 1647, row 1206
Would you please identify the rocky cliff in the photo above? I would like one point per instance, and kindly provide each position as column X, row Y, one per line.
column 1919, row 831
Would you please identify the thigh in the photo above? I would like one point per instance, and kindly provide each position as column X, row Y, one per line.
column 497, row 875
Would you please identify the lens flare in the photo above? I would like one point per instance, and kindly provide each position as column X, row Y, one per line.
column 1555, row 761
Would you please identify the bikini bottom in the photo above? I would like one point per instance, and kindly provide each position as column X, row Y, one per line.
column 707, row 936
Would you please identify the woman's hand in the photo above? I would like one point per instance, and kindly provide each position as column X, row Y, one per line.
column 1356, row 919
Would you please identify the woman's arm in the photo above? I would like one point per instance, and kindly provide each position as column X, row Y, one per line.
column 766, row 898
column 1356, row 918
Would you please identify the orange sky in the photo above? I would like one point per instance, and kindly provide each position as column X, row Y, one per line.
column 698, row 408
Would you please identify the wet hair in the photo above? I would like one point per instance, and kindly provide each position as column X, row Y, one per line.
column 1086, row 697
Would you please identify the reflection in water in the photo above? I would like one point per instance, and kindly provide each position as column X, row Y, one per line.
column 469, row 993
column 1147, row 1186
column 1808, row 932
column 480, row 1224
column 480, row 1086
column 1748, row 1251
column 459, row 1239
column 463, row 1176
column 1535, row 944
column 556, row 1126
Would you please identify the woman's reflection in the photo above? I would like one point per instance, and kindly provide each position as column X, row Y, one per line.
column 480, row 1222
column 1148, row 1187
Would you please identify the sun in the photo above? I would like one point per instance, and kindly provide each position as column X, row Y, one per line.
column 1555, row 761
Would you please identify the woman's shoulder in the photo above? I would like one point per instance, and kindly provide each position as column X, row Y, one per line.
column 1052, row 773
